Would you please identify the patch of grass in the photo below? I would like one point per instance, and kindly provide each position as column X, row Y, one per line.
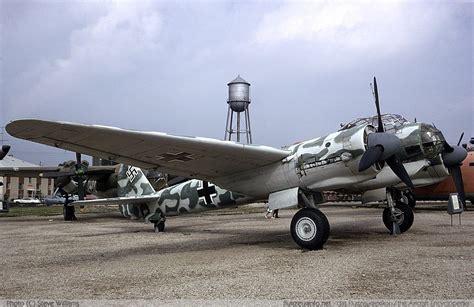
column 33, row 211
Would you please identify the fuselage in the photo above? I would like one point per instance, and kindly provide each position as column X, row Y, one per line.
column 321, row 164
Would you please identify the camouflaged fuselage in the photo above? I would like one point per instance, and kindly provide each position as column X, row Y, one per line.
column 188, row 197
column 321, row 164
column 331, row 163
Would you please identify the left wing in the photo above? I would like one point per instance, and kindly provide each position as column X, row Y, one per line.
column 193, row 157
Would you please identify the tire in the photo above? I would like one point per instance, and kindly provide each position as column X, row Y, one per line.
column 68, row 213
column 160, row 226
column 405, row 220
column 310, row 228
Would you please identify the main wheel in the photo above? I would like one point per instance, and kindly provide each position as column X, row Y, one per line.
column 160, row 226
column 403, row 216
column 310, row 228
column 68, row 213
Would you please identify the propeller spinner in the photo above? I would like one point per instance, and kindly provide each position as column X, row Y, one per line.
column 383, row 147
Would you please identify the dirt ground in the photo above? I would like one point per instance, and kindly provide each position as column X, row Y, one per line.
column 235, row 254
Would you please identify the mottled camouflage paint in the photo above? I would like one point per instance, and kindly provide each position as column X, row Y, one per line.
column 175, row 200
column 138, row 186
column 184, row 198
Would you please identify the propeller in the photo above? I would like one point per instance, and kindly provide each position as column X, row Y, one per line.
column 452, row 159
column 77, row 173
column 4, row 151
column 383, row 147
column 79, row 177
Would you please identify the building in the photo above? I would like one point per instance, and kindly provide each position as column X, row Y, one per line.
column 21, row 185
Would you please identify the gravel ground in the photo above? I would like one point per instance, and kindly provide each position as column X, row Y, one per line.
column 235, row 254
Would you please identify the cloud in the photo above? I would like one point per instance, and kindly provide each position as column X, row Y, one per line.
column 372, row 27
column 116, row 44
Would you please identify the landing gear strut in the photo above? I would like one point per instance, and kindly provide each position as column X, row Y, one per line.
column 310, row 228
column 68, row 211
column 408, row 198
column 398, row 216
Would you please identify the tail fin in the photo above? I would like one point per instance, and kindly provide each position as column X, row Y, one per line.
column 133, row 182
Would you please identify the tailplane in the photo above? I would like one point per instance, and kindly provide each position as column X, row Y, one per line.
column 133, row 182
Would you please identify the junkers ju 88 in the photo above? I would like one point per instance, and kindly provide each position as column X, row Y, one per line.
column 362, row 157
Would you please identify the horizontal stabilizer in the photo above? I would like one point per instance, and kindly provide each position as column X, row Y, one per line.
column 116, row 201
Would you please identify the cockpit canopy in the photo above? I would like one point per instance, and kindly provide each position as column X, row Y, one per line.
column 391, row 122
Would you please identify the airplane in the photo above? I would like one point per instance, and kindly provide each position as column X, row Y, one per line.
column 226, row 173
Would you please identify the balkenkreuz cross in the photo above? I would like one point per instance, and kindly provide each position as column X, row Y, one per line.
column 207, row 192
column 178, row 157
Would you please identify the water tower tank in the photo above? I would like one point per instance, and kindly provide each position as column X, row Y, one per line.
column 239, row 94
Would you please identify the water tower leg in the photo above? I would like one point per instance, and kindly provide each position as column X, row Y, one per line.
column 227, row 129
column 249, row 130
column 230, row 126
column 238, row 127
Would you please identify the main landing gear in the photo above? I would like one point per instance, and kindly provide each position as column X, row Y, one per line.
column 68, row 211
column 398, row 216
column 310, row 228
column 408, row 198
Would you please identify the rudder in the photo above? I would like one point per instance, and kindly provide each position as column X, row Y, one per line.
column 133, row 182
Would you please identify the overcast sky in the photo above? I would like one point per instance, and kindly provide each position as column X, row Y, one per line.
column 164, row 66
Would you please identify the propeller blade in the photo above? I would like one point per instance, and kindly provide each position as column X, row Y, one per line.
column 56, row 174
column 460, row 139
column 78, row 159
column 379, row 116
column 397, row 167
column 447, row 148
column 458, row 182
column 80, row 180
column 4, row 151
column 80, row 187
column 371, row 156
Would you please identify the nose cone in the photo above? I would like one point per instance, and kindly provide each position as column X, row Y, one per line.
column 432, row 140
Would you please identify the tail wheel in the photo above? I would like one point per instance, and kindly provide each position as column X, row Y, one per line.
column 310, row 228
column 403, row 217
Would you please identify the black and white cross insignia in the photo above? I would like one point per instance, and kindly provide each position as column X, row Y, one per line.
column 206, row 192
column 175, row 157
column 132, row 173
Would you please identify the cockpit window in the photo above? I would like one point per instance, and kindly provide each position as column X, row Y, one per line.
column 391, row 122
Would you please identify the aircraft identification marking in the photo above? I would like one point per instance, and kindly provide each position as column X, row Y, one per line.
column 175, row 157
column 207, row 192
column 132, row 173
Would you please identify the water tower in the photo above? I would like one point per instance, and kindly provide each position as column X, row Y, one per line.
column 239, row 100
